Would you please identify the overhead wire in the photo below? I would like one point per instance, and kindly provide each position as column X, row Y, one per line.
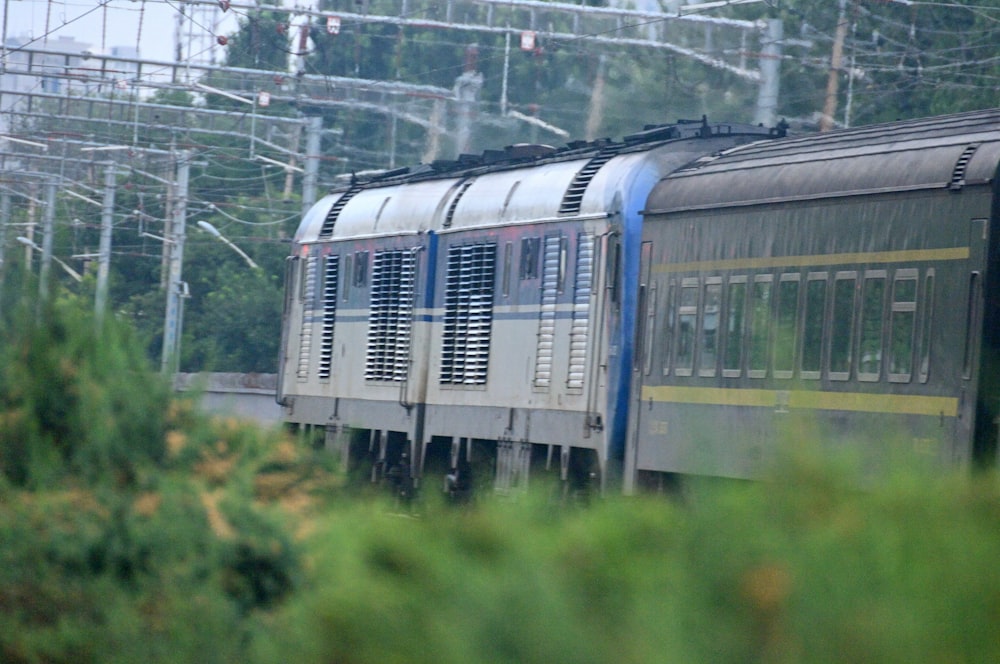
column 452, row 68
column 909, row 49
column 248, row 15
column 224, row 153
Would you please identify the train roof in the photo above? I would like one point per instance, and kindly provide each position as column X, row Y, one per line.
column 518, row 184
column 950, row 151
column 529, row 154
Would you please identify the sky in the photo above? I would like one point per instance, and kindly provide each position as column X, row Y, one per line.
column 149, row 24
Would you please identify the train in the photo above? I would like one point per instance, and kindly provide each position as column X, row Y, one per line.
column 618, row 314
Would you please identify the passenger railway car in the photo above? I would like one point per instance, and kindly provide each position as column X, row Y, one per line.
column 480, row 310
column 841, row 287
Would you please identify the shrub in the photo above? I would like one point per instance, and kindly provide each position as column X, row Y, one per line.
column 76, row 402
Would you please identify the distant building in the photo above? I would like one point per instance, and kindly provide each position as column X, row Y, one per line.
column 27, row 70
column 58, row 66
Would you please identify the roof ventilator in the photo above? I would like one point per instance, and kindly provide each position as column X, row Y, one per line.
column 331, row 217
column 958, row 173
column 450, row 214
column 573, row 198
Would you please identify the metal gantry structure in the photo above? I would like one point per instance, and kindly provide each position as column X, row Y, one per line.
column 115, row 91
column 726, row 44
column 111, row 122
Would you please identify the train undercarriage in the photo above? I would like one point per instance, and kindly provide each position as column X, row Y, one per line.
column 461, row 468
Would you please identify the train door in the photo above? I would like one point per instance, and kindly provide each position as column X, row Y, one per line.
column 642, row 349
column 979, row 405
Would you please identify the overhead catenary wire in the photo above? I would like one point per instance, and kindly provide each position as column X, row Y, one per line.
column 249, row 13
column 865, row 59
column 248, row 10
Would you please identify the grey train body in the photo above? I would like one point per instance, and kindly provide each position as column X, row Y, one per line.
column 570, row 309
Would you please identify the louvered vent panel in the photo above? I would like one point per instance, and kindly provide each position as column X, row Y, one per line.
column 468, row 314
column 390, row 319
column 450, row 215
column 578, row 339
column 547, row 317
column 331, row 217
column 331, row 281
column 308, row 302
column 573, row 198
column 958, row 173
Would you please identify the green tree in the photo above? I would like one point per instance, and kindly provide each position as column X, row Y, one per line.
column 261, row 41
column 900, row 60
column 74, row 400
column 233, row 319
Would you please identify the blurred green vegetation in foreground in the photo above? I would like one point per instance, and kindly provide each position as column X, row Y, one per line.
column 135, row 529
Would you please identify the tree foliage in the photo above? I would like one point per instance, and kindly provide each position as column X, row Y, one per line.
column 76, row 399
column 234, row 322
column 132, row 526
column 135, row 528
column 900, row 60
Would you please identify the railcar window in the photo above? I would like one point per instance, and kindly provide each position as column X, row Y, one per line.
column 508, row 257
column 814, row 324
column 293, row 265
column 649, row 333
column 563, row 251
column 614, row 269
column 348, row 266
column 786, row 334
column 902, row 325
column 842, row 325
column 872, row 319
column 531, row 248
column 292, row 285
column 669, row 328
column 926, row 320
column 972, row 321
column 732, row 361
column 760, row 324
column 708, row 350
column 687, row 320
column 360, row 278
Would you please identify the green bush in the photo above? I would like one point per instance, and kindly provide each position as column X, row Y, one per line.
column 130, row 525
column 75, row 401
column 134, row 528
column 806, row 568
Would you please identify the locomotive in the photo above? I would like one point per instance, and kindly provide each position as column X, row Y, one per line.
column 618, row 312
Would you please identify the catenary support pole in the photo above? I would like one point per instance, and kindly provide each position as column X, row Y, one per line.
column 833, row 80
column 770, row 70
column 104, row 252
column 48, row 218
column 314, row 126
column 4, row 223
column 175, row 287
